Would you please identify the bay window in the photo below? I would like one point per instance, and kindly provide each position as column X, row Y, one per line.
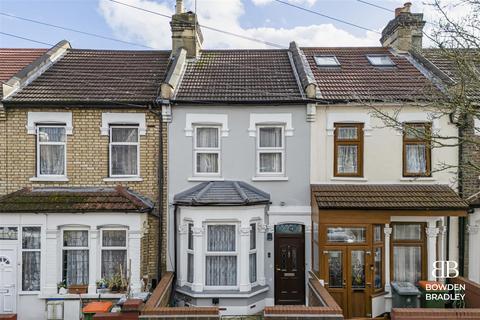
column 270, row 150
column 75, row 255
column 51, row 151
column 114, row 252
column 416, row 150
column 124, row 151
column 31, row 243
column 408, row 244
column 221, row 256
column 348, row 150
column 207, row 150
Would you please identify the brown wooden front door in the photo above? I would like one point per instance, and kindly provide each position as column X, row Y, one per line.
column 289, row 264
column 348, row 278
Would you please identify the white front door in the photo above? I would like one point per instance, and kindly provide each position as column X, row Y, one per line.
column 8, row 276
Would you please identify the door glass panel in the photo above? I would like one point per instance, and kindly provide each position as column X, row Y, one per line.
column 358, row 268
column 294, row 258
column 335, row 269
column 289, row 228
column 346, row 235
column 378, row 268
column 377, row 233
column 283, row 258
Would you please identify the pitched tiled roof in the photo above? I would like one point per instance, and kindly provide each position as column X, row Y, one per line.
column 99, row 76
column 240, row 76
column 14, row 60
column 118, row 199
column 226, row 193
column 357, row 80
column 408, row 197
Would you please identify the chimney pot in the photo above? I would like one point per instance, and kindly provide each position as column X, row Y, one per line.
column 179, row 7
column 407, row 6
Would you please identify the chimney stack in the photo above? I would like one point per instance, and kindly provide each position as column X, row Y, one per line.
column 404, row 32
column 186, row 32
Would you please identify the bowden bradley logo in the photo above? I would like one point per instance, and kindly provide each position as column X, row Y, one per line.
column 445, row 291
column 445, row 269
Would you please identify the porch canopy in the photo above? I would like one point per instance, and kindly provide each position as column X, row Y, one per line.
column 222, row 193
column 75, row 199
column 380, row 202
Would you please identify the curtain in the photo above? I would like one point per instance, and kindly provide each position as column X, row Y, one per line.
column 221, row 238
column 207, row 162
column 416, row 158
column 407, row 232
column 75, row 238
column 75, row 266
column 345, row 133
column 111, row 262
column 271, row 137
column 190, row 267
column 207, row 137
column 253, row 237
column 221, row 270
column 347, row 159
column 31, row 238
column 31, row 271
column 124, row 135
column 252, row 263
column 407, row 263
column 52, row 159
column 271, row 162
column 124, row 156
column 51, row 134
column 114, row 238
column 377, row 279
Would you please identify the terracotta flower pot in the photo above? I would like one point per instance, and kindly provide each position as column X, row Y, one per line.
column 78, row 289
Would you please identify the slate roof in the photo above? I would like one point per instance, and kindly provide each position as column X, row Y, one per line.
column 99, row 76
column 13, row 60
column 357, row 80
column 240, row 76
column 222, row 193
column 74, row 199
column 390, row 197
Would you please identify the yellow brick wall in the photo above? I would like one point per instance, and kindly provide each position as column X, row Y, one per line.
column 87, row 162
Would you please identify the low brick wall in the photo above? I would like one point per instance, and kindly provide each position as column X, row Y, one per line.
column 437, row 314
column 161, row 295
column 8, row 316
column 472, row 291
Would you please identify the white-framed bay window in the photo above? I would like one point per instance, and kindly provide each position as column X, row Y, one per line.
column 124, row 151
column 252, row 254
column 31, row 258
column 207, row 151
column 270, row 150
column 51, row 151
column 114, row 253
column 221, row 256
column 75, row 256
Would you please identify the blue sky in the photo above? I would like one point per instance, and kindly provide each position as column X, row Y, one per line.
column 261, row 19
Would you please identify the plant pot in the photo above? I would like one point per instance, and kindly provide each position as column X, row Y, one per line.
column 62, row 291
column 103, row 290
column 78, row 289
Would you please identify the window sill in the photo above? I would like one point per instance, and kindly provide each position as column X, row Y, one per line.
column 360, row 179
column 269, row 178
column 203, row 179
column 83, row 296
column 418, row 179
column 28, row 293
column 49, row 179
column 138, row 179
column 222, row 293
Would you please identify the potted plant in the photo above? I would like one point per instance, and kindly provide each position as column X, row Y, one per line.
column 78, row 288
column 62, row 287
column 102, row 286
column 116, row 283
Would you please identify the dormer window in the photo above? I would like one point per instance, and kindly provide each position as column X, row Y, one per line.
column 379, row 60
column 327, row 61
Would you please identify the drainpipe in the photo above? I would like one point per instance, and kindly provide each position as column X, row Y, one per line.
column 461, row 220
column 175, row 263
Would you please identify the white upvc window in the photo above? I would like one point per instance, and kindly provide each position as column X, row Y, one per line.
column 252, row 255
column 114, row 252
column 190, row 253
column 124, row 151
column 51, row 151
column 221, row 257
column 31, row 255
column 270, row 150
column 207, row 151
column 75, row 256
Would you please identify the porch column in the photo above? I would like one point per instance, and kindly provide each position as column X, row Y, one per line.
column 95, row 266
column 387, row 231
column 53, row 262
column 262, row 228
column 442, row 231
column 182, row 255
column 134, row 247
column 473, row 256
column 432, row 232
column 198, row 257
column 245, row 284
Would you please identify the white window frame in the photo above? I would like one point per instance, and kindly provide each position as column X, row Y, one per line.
column 64, row 144
column 251, row 251
column 327, row 65
column 270, row 150
column 110, row 143
column 63, row 248
column 197, row 150
column 190, row 251
column 22, row 250
column 235, row 253
column 102, row 247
